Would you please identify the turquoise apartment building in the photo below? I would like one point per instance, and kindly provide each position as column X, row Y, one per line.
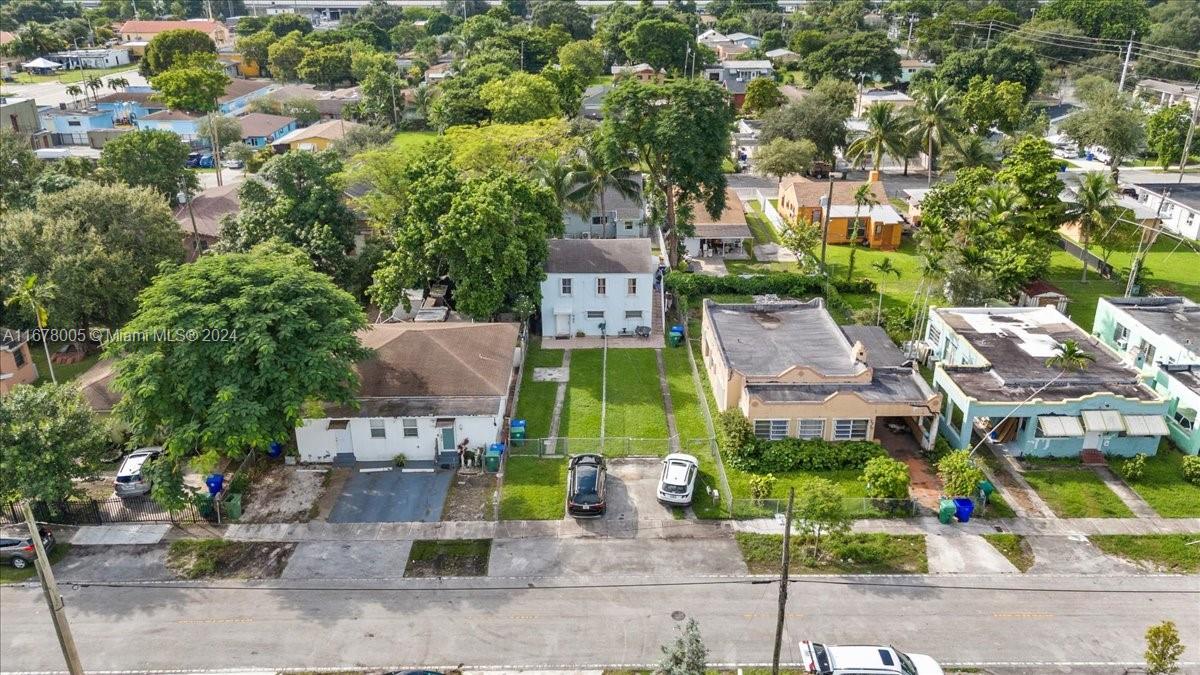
column 992, row 373
column 1160, row 337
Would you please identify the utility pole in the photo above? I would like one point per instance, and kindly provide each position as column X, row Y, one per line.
column 1125, row 66
column 912, row 21
column 783, row 581
column 825, row 217
column 989, row 36
column 50, row 589
column 1144, row 243
column 1187, row 143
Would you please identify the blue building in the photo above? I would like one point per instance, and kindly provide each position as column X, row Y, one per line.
column 261, row 129
column 240, row 93
column 127, row 106
column 992, row 370
column 71, row 127
column 186, row 125
column 1160, row 336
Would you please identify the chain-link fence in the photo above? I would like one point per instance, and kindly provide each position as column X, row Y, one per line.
column 611, row 447
column 856, row 507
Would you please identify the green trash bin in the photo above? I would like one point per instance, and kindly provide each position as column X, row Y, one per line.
column 946, row 509
column 491, row 460
column 675, row 339
column 986, row 489
column 232, row 506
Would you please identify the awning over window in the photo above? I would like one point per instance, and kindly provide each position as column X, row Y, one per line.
column 1145, row 425
column 1103, row 420
column 1059, row 426
column 563, row 309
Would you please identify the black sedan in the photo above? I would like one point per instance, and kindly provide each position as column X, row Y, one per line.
column 585, row 486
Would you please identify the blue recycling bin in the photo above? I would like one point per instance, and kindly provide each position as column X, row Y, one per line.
column 677, row 328
column 516, row 432
column 214, row 483
column 963, row 507
column 275, row 450
column 496, row 448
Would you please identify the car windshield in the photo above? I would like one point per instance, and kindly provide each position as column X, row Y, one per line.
column 906, row 663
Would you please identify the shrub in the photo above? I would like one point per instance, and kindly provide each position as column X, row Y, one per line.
column 777, row 283
column 736, row 436
column 1135, row 467
column 400, row 460
column 886, row 478
column 761, row 486
column 1191, row 469
column 960, row 476
column 797, row 454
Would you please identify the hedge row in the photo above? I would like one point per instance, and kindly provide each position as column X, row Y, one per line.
column 756, row 455
column 777, row 283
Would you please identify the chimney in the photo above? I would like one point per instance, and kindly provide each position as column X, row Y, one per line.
column 873, row 176
column 858, row 353
column 62, row 106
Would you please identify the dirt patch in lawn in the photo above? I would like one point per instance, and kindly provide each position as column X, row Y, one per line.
column 220, row 559
column 283, row 494
column 470, row 497
column 449, row 558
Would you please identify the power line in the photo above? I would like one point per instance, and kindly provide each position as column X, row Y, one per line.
column 1153, row 52
column 743, row 581
column 1080, row 39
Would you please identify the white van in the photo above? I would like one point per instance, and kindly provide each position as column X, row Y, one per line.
column 825, row 659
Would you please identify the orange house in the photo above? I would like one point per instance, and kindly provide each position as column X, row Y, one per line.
column 880, row 226
column 16, row 365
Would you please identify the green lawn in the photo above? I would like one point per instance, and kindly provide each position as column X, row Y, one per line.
column 581, row 410
column 764, row 232
column 1013, row 547
column 534, row 488
column 849, row 554
column 65, row 372
column 71, row 76
column 689, row 416
column 1162, row 484
column 1172, row 266
column 1169, row 552
column 635, row 406
column 12, row 575
column 1077, row 493
column 1065, row 272
column 997, row 508
column 536, row 404
column 407, row 140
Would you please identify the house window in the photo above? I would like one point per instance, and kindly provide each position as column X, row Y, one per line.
column 850, row 430
column 631, row 286
column 1185, row 418
column 595, row 314
column 1120, row 335
column 1147, row 353
column 772, row 430
column 935, row 336
column 816, row 215
column 564, row 286
column 19, row 357
column 629, row 224
column 377, row 429
column 810, row 428
column 410, row 428
column 601, row 286
column 74, row 123
column 597, row 220
column 878, row 229
column 633, row 314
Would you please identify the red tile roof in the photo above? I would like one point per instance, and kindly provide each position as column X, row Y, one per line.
column 139, row 26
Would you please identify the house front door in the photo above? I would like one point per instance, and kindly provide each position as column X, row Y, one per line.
column 343, row 443
column 1091, row 440
column 562, row 325
column 448, row 442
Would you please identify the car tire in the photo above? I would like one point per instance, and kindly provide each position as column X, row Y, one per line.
column 19, row 562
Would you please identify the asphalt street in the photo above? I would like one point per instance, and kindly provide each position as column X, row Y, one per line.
column 1006, row 623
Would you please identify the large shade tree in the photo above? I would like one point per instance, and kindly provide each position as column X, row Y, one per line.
column 680, row 132
column 169, row 47
column 153, row 158
column 260, row 336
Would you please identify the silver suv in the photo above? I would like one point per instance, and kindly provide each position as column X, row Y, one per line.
column 130, row 482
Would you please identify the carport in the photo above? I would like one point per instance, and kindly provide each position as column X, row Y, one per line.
column 377, row 492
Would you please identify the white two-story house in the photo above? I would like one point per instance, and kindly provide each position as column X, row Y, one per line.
column 597, row 287
column 1176, row 206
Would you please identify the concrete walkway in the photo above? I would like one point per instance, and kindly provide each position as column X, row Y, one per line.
column 1022, row 526
column 1017, row 492
column 560, row 395
column 668, row 404
column 1133, row 500
column 965, row 554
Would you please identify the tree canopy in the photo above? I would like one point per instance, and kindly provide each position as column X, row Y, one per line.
column 257, row 337
column 151, row 158
column 520, row 97
column 171, row 46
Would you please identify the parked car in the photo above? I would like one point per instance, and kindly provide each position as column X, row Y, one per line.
column 20, row 553
column 129, row 481
column 585, row 486
column 193, row 160
column 860, row 659
column 232, row 163
column 677, row 483
column 206, row 162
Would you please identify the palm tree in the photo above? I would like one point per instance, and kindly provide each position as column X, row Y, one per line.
column 1070, row 357
column 935, row 120
column 885, row 135
column 1094, row 208
column 886, row 268
column 94, row 83
column 972, row 152
column 593, row 175
column 554, row 174
column 116, row 83
column 74, row 91
column 29, row 293
column 35, row 39
column 863, row 196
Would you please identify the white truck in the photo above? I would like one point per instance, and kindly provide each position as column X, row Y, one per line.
column 823, row 659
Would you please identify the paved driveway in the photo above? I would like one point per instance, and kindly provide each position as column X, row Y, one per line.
column 633, row 490
column 348, row 560
column 392, row 497
column 553, row 557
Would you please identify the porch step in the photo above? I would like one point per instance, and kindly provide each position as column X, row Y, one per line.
column 1092, row 458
